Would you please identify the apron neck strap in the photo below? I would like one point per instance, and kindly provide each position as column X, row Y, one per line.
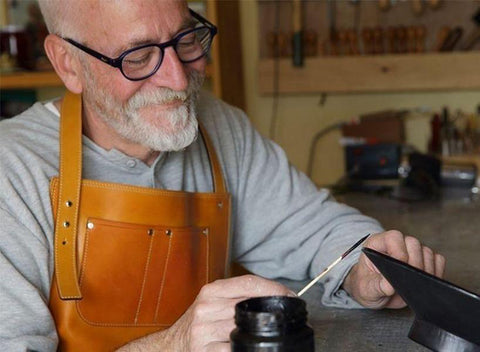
column 69, row 197
column 217, row 177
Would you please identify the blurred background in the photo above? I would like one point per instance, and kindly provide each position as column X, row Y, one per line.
column 355, row 91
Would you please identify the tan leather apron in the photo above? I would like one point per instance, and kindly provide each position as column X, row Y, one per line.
column 128, row 260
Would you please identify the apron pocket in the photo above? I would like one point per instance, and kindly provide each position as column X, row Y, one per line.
column 135, row 275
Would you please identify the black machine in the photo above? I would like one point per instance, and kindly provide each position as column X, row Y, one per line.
column 419, row 175
column 373, row 161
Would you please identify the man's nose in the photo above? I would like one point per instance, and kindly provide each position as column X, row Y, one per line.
column 172, row 72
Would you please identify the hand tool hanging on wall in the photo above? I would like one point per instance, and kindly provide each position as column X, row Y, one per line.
column 434, row 4
column 284, row 40
column 417, row 7
column 353, row 42
column 442, row 35
column 420, row 35
column 411, row 39
column 378, row 46
column 297, row 40
column 391, row 40
column 272, row 45
column 309, row 43
column 401, row 35
column 333, row 35
column 343, row 42
column 384, row 5
column 452, row 39
column 367, row 40
column 474, row 35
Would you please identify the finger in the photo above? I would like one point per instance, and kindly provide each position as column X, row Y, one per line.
column 213, row 310
column 218, row 347
column 415, row 252
column 391, row 243
column 428, row 260
column 372, row 286
column 376, row 291
column 439, row 265
column 385, row 287
column 244, row 286
column 396, row 302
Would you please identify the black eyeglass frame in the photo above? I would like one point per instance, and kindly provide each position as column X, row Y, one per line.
column 117, row 62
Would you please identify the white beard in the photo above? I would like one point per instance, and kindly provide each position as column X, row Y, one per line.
column 178, row 126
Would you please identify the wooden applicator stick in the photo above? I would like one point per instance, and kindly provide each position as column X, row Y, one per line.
column 338, row 260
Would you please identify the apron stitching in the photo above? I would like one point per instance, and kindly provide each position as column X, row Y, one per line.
column 164, row 275
column 145, row 274
column 76, row 196
column 150, row 191
column 57, row 223
column 208, row 257
column 85, row 256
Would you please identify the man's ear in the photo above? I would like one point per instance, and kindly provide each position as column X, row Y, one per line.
column 64, row 63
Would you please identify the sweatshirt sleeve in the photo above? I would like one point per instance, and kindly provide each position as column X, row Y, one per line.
column 26, row 234
column 25, row 321
column 284, row 226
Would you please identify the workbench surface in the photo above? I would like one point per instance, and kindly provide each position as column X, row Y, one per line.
column 449, row 226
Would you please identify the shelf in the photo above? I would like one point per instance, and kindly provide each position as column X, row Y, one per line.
column 386, row 73
column 32, row 80
column 29, row 80
column 463, row 159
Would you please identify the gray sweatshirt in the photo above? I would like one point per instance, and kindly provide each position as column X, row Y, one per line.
column 283, row 227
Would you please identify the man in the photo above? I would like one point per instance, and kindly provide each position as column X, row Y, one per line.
column 139, row 116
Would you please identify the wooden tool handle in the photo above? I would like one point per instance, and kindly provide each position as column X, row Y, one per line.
column 420, row 35
column 367, row 39
column 353, row 41
column 310, row 43
column 441, row 37
column 434, row 4
column 384, row 5
column 391, row 40
column 452, row 39
column 343, row 42
column 401, row 35
column 411, row 39
column 472, row 38
column 417, row 7
column 297, row 40
column 378, row 40
column 272, row 44
column 283, row 44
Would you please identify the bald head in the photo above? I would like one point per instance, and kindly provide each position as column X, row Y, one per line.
column 67, row 18
column 56, row 14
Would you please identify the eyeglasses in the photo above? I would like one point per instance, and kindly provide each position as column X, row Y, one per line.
column 143, row 61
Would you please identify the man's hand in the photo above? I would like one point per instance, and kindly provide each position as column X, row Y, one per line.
column 207, row 323
column 369, row 288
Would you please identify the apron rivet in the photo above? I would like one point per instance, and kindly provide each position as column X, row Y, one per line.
column 90, row 225
column 220, row 205
column 205, row 232
column 168, row 232
column 150, row 232
column 66, row 224
column 68, row 203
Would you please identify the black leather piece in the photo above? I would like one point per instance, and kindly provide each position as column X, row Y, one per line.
column 447, row 317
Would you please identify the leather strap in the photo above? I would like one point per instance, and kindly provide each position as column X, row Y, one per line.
column 218, row 181
column 69, row 193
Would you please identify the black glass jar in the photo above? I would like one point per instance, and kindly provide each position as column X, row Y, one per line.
column 272, row 324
